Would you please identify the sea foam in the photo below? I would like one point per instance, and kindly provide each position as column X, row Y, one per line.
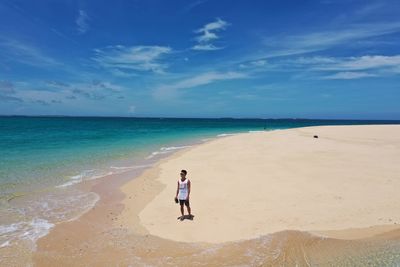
column 24, row 231
column 165, row 150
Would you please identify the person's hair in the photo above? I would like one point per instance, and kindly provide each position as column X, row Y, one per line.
column 184, row 171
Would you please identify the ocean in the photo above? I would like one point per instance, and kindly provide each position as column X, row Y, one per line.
column 43, row 159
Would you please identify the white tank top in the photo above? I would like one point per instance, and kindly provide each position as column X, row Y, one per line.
column 183, row 189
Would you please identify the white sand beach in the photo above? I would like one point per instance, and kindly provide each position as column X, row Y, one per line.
column 252, row 184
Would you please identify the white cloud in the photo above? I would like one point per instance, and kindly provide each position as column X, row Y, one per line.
column 82, row 21
column 206, row 47
column 369, row 62
column 57, row 84
column 56, row 92
column 348, row 75
column 120, row 73
column 347, row 67
column 8, row 98
column 169, row 90
column 7, row 92
column 40, row 96
column 370, row 8
column 286, row 45
column 345, row 63
column 377, row 63
column 6, row 87
column 316, row 60
column 208, row 33
column 194, row 5
column 96, row 90
column 259, row 63
column 108, row 86
column 123, row 60
column 253, row 64
column 24, row 53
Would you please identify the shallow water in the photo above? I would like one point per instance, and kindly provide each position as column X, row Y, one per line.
column 287, row 248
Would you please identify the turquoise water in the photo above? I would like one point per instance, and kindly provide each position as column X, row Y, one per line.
column 41, row 158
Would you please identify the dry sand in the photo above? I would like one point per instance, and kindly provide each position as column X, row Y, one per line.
column 252, row 184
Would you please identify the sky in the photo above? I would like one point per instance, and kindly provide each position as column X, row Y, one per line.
column 328, row 59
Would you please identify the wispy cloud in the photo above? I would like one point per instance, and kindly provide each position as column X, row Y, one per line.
column 54, row 92
column 82, row 22
column 170, row 90
column 345, row 67
column 22, row 52
column 287, row 45
column 366, row 62
column 57, row 84
column 369, row 8
column 253, row 64
column 206, row 47
column 347, row 63
column 125, row 60
column 40, row 97
column 354, row 67
column 193, row 5
column 96, row 90
column 348, row 75
column 7, row 92
column 6, row 87
column 208, row 34
column 7, row 98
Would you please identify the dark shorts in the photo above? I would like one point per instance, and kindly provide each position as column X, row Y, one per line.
column 183, row 201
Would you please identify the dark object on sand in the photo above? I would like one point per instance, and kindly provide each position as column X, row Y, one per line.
column 184, row 217
column 315, row 136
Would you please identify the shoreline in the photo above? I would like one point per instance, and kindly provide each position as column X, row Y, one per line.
column 107, row 209
column 114, row 224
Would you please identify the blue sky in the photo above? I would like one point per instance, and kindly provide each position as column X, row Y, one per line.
column 198, row 58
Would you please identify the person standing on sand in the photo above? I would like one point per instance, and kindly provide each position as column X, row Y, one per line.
column 182, row 194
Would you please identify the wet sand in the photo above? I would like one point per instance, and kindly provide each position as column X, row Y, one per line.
column 135, row 223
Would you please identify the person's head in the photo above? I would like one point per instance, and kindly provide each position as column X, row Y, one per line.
column 183, row 173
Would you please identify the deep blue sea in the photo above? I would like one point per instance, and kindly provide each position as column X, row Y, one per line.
column 42, row 158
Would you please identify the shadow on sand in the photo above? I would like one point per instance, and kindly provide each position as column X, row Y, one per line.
column 186, row 217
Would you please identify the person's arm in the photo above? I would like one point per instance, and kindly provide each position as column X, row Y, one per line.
column 189, row 185
column 177, row 190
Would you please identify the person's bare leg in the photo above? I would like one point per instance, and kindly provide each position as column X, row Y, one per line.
column 182, row 211
column 189, row 211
